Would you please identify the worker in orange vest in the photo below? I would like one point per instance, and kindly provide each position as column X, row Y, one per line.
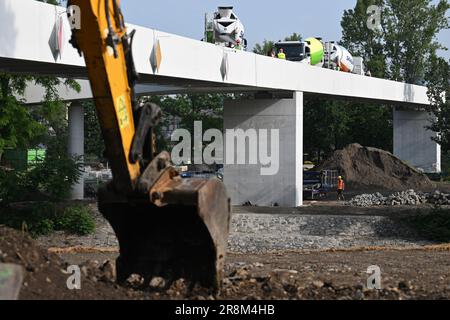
column 341, row 188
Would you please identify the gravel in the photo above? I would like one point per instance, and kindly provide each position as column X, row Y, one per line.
column 408, row 198
column 265, row 232
column 259, row 233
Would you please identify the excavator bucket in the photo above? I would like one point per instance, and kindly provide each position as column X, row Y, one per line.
column 166, row 226
column 181, row 233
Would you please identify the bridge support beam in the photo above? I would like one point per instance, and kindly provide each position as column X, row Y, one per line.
column 412, row 141
column 281, row 121
column 76, row 143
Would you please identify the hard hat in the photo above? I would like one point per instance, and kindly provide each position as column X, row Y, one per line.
column 339, row 177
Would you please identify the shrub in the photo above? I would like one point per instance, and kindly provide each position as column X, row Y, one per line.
column 433, row 226
column 76, row 219
column 50, row 180
column 45, row 217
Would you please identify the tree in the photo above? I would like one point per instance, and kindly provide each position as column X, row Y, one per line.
column 438, row 79
column 362, row 41
column 265, row 48
column 17, row 126
column 268, row 46
column 181, row 111
column 410, row 29
column 325, row 127
column 22, row 127
column 94, row 145
column 293, row 37
column 402, row 46
column 400, row 49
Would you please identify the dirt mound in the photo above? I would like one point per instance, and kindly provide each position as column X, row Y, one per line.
column 365, row 167
column 44, row 276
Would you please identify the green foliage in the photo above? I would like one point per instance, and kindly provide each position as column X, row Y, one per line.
column 268, row 46
column 361, row 41
column 76, row 219
column 403, row 48
column 293, row 37
column 406, row 40
column 265, row 48
column 433, row 226
column 325, row 127
column 94, row 145
column 186, row 109
column 17, row 126
column 43, row 218
column 56, row 175
column 24, row 127
column 50, row 179
column 438, row 80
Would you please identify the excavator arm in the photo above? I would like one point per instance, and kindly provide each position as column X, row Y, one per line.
column 166, row 226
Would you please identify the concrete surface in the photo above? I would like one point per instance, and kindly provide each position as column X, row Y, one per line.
column 412, row 141
column 245, row 182
column 76, row 143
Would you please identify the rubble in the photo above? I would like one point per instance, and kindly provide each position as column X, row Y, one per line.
column 404, row 198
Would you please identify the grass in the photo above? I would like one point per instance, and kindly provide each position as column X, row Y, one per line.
column 434, row 225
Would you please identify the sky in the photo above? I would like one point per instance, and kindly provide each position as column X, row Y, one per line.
column 262, row 19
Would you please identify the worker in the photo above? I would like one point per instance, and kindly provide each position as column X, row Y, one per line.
column 238, row 45
column 271, row 53
column 281, row 54
column 340, row 189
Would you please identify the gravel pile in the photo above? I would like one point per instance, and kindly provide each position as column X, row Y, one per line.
column 404, row 198
column 439, row 198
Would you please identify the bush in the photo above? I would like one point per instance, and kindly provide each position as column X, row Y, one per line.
column 45, row 217
column 50, row 180
column 433, row 226
column 76, row 219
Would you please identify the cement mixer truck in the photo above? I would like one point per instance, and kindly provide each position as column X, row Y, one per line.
column 224, row 28
column 328, row 55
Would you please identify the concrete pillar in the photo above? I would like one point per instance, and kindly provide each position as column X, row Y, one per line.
column 279, row 118
column 412, row 141
column 76, row 143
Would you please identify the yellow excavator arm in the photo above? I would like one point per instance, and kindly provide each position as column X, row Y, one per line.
column 166, row 226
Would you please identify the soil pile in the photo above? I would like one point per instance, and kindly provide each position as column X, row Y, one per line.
column 44, row 273
column 365, row 167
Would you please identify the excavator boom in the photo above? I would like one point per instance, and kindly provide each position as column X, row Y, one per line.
column 166, row 226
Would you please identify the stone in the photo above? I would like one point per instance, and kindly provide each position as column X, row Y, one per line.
column 157, row 283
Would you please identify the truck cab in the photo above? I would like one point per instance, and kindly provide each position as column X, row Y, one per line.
column 310, row 51
column 294, row 50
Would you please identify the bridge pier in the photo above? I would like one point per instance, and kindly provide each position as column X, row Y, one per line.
column 76, row 143
column 412, row 141
column 281, row 182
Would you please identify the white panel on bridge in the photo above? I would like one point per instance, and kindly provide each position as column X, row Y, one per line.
column 412, row 141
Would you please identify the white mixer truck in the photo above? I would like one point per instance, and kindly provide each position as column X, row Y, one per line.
column 329, row 55
column 224, row 28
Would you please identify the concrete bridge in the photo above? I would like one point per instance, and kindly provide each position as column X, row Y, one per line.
column 35, row 36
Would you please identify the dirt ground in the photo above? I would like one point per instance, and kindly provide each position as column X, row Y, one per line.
column 422, row 273
column 407, row 272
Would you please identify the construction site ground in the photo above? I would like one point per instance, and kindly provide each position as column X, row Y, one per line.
column 319, row 251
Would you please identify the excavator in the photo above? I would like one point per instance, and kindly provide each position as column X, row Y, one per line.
column 166, row 226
